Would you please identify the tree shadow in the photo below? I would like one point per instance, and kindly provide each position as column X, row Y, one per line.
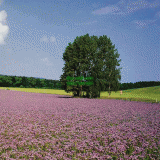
column 85, row 96
column 64, row 97
column 72, row 97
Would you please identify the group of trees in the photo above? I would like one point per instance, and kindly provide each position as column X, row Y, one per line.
column 140, row 84
column 91, row 57
column 28, row 82
column 31, row 82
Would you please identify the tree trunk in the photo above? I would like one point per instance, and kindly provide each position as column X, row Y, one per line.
column 80, row 92
column 109, row 90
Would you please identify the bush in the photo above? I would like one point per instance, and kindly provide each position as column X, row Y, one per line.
column 44, row 87
column 21, row 86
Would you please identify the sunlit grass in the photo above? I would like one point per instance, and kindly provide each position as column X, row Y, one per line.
column 150, row 94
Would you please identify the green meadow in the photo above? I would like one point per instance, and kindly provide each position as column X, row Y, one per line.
column 149, row 94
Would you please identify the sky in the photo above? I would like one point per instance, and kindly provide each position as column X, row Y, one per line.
column 35, row 33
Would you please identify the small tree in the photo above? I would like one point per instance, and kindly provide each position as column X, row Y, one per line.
column 21, row 86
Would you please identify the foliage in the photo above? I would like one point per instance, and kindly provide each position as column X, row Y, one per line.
column 96, row 56
column 18, row 81
column 21, row 86
column 111, row 76
column 77, row 58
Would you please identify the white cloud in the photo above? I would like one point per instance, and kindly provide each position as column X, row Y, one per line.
column 53, row 39
column 124, row 8
column 4, row 29
column 45, row 39
column 143, row 23
column 47, row 62
column 106, row 10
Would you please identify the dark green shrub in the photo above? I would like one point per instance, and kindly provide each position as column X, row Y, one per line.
column 21, row 86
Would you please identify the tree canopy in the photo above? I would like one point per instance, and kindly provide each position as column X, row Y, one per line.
column 95, row 57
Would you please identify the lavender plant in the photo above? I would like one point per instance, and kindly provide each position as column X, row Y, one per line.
column 49, row 126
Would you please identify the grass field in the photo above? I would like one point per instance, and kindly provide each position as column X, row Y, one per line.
column 150, row 94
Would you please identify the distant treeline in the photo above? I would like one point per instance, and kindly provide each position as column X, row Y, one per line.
column 28, row 82
column 31, row 82
column 140, row 84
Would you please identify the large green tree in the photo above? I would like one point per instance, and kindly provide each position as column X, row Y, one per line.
column 104, row 66
column 77, row 57
column 111, row 73
column 96, row 56
column 68, row 68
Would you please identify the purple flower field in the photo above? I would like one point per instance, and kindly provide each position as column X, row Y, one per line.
column 49, row 127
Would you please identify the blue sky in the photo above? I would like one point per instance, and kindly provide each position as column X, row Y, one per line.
column 35, row 33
